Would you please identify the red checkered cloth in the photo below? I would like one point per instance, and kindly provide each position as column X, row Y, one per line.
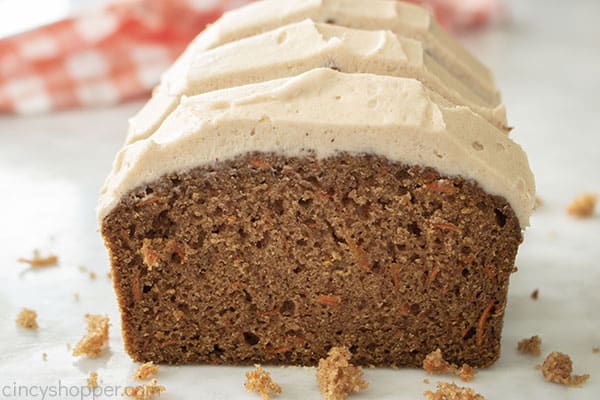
column 117, row 53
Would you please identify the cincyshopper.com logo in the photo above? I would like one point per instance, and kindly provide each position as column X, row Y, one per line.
column 62, row 391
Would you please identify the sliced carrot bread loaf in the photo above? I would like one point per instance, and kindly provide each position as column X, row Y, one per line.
column 296, row 185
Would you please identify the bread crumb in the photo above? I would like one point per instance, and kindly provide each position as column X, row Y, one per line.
column 92, row 343
column 535, row 294
column 450, row 391
column 93, row 379
column 146, row 392
column 530, row 346
column 260, row 381
column 583, row 205
column 426, row 381
column 146, row 371
column 39, row 262
column 538, row 202
column 92, row 275
column 82, row 268
column 434, row 363
column 558, row 368
column 109, row 275
column 337, row 377
column 595, row 349
column 27, row 319
column 44, row 356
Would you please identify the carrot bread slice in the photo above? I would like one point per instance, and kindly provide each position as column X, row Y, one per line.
column 400, row 18
column 270, row 222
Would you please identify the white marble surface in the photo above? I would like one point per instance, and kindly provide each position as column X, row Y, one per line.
column 51, row 167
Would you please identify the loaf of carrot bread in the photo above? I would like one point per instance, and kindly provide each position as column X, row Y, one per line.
column 312, row 174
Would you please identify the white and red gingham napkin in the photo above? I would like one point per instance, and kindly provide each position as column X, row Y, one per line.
column 117, row 53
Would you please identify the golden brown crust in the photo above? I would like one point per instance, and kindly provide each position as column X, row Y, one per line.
column 337, row 377
column 530, row 346
column 583, row 206
column 558, row 368
column 92, row 344
column 27, row 319
column 450, row 391
column 260, row 381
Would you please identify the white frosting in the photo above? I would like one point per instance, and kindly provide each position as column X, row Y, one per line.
column 400, row 18
column 327, row 112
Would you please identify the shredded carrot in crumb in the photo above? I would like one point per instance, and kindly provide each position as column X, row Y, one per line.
column 136, row 291
column 329, row 300
column 39, row 262
column 259, row 164
column 445, row 226
column 432, row 275
column 405, row 310
column 148, row 200
column 361, row 257
column 482, row 321
column 395, row 272
column 489, row 273
column 441, row 187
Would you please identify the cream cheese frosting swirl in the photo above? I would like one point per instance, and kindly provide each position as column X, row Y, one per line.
column 324, row 112
column 403, row 19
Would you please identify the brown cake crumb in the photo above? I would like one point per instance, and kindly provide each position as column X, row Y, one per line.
column 558, row 368
column 530, row 346
column 147, row 392
column 583, row 206
column 450, row 391
column 538, row 202
column 93, row 379
column 92, row 275
column 93, row 342
column 434, row 363
column 27, row 319
column 146, row 371
column 39, row 262
column 426, row 381
column 260, row 381
column 535, row 294
column 595, row 349
column 337, row 377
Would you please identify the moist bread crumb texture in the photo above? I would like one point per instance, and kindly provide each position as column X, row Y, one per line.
column 146, row 371
column 272, row 259
column 530, row 346
column 434, row 363
column 450, row 391
column 337, row 377
column 27, row 319
column 583, row 206
column 92, row 344
column 260, row 381
column 92, row 379
column 558, row 368
column 148, row 391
